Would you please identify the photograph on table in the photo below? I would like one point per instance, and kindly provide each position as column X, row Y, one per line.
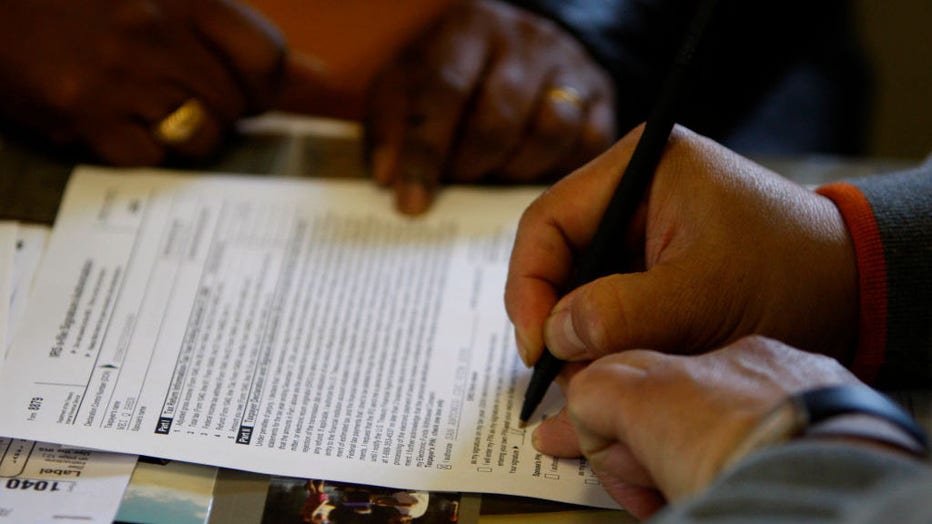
column 319, row 501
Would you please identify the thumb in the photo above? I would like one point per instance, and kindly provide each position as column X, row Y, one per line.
column 658, row 309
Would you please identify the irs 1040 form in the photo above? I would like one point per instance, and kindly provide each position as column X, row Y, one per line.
column 283, row 326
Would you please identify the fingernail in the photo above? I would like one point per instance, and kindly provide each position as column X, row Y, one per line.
column 539, row 436
column 522, row 352
column 560, row 335
column 535, row 438
column 413, row 198
column 522, row 347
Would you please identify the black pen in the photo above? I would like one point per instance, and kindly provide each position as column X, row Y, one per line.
column 606, row 253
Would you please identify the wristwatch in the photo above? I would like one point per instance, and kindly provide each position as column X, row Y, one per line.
column 802, row 412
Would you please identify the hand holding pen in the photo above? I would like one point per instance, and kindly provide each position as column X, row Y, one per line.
column 719, row 248
column 604, row 255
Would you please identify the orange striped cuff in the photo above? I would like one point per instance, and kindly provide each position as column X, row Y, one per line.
column 872, row 276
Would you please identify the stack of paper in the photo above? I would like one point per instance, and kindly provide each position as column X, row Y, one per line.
column 43, row 482
column 284, row 326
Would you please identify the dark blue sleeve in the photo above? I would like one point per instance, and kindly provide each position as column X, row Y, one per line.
column 754, row 54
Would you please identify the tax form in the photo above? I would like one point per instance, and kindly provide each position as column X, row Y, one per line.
column 284, row 326
column 42, row 482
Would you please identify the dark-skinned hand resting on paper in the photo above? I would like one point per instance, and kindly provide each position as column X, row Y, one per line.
column 488, row 92
column 526, row 90
column 721, row 248
column 102, row 76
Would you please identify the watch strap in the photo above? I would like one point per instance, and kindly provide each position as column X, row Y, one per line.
column 793, row 416
column 847, row 399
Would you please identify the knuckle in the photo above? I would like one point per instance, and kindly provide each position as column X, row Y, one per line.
column 604, row 318
column 493, row 130
column 66, row 96
column 454, row 81
column 599, row 130
column 551, row 131
column 423, row 149
column 594, row 327
column 445, row 87
column 547, row 29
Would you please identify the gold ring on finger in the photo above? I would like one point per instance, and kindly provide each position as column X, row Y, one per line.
column 182, row 123
column 566, row 94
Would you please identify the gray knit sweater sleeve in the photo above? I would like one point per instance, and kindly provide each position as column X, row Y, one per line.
column 902, row 206
column 833, row 482
column 813, row 482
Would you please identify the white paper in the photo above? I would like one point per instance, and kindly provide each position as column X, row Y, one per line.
column 284, row 326
column 29, row 246
column 51, row 483
column 8, row 231
column 41, row 482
